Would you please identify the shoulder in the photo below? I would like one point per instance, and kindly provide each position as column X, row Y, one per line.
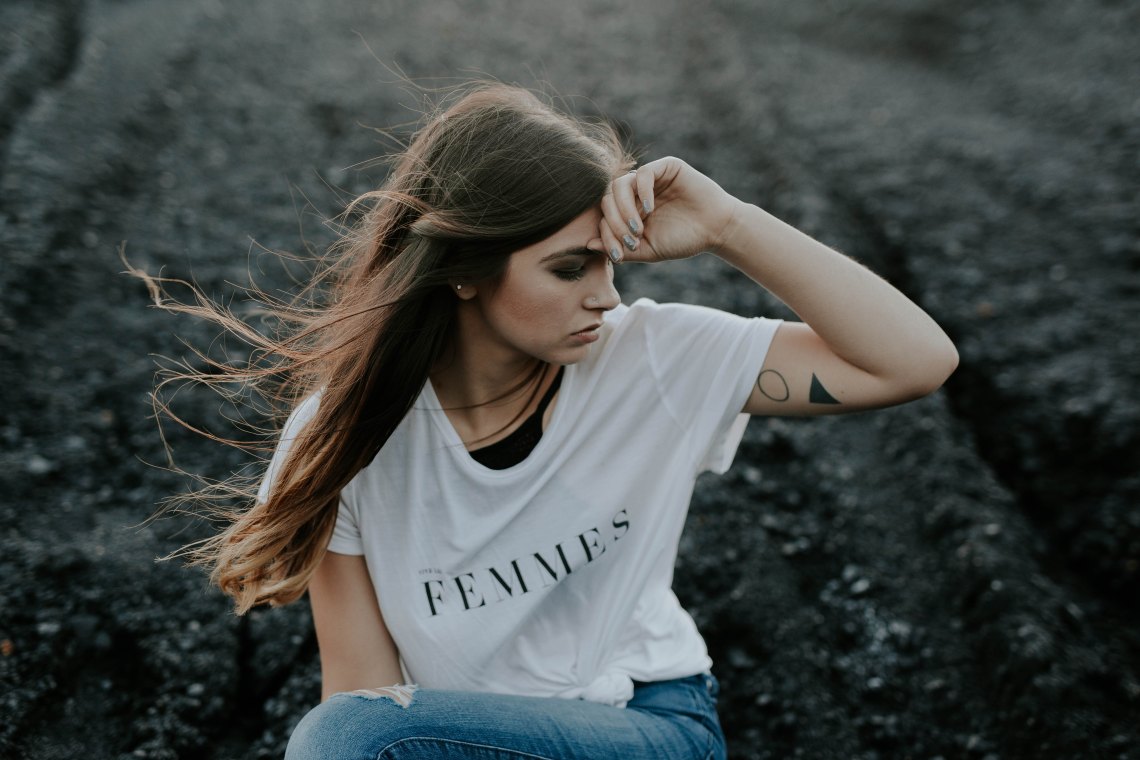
column 644, row 329
column 624, row 327
column 637, row 315
column 651, row 318
column 646, row 322
column 301, row 414
column 646, row 309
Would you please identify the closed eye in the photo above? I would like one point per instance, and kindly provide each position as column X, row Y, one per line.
column 570, row 274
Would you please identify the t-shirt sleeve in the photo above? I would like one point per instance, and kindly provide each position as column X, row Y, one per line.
column 346, row 536
column 706, row 362
column 296, row 422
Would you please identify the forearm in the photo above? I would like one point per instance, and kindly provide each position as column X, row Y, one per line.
column 863, row 319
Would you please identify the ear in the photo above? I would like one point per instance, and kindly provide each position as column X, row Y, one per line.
column 464, row 290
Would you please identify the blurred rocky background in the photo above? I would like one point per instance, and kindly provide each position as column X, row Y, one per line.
column 957, row 577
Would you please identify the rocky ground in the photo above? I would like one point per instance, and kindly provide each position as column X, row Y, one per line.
column 957, row 577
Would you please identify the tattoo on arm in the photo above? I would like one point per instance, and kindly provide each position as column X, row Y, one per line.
column 819, row 394
column 773, row 385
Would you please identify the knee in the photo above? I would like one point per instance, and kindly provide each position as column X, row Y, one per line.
column 317, row 735
column 333, row 729
column 351, row 725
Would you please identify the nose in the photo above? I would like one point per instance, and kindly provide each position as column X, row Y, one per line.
column 602, row 293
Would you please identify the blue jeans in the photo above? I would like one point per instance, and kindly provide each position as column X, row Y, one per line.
column 664, row 720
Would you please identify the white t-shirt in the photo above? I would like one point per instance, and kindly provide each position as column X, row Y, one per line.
column 553, row 577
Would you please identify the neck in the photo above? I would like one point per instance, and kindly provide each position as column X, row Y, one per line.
column 477, row 371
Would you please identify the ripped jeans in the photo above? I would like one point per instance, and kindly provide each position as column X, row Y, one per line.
column 665, row 720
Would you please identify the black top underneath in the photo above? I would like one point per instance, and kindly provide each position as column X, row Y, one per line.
column 517, row 446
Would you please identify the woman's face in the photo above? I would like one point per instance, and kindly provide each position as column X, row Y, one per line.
column 550, row 301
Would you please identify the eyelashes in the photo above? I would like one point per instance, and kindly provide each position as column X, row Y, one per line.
column 576, row 273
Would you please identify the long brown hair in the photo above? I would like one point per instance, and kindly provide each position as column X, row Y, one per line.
column 491, row 170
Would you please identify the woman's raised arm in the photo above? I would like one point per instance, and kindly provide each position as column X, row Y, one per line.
column 862, row 343
column 357, row 652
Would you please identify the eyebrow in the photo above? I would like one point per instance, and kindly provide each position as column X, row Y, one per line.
column 579, row 250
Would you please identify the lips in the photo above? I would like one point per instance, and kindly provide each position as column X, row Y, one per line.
column 588, row 335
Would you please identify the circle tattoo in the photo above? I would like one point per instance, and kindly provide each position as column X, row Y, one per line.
column 773, row 385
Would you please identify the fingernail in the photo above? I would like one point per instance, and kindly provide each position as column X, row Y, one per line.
column 615, row 254
column 645, row 206
column 633, row 226
column 630, row 243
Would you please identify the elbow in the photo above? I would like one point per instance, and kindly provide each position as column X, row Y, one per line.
column 934, row 368
column 946, row 362
column 952, row 359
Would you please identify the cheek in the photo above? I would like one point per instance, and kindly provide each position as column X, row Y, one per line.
column 534, row 304
column 530, row 307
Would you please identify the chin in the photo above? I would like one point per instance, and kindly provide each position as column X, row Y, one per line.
column 569, row 356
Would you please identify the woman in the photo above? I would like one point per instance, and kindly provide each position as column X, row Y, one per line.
column 485, row 484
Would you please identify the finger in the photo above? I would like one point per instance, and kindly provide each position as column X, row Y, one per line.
column 614, row 219
column 643, row 183
column 609, row 243
column 623, row 194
